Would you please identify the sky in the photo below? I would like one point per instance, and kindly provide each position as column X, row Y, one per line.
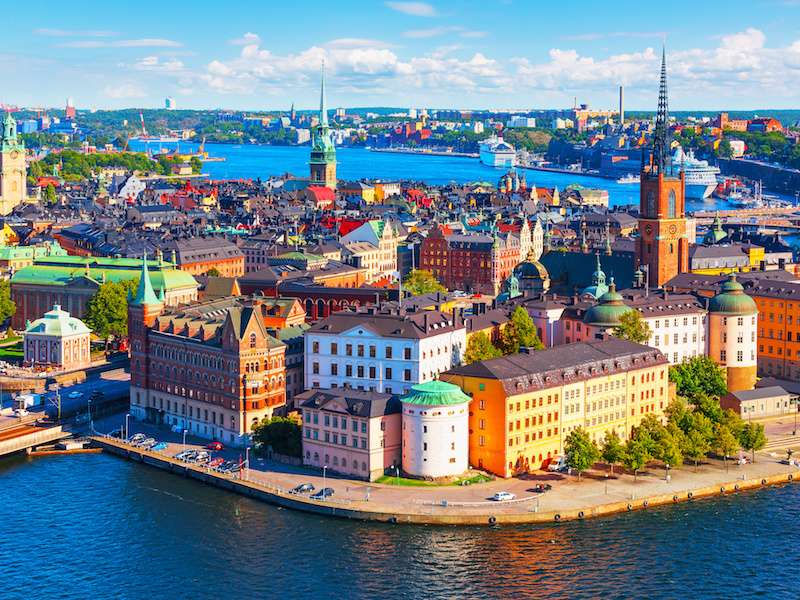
column 489, row 54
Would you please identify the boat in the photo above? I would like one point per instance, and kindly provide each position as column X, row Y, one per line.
column 700, row 177
column 630, row 178
column 495, row 152
column 166, row 139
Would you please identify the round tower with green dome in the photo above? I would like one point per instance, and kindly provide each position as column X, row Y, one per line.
column 609, row 310
column 734, row 316
column 598, row 287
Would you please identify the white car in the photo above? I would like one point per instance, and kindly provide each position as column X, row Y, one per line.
column 504, row 496
column 76, row 395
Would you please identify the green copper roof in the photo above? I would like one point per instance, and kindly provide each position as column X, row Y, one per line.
column 609, row 311
column 436, row 393
column 57, row 322
column 732, row 300
column 145, row 294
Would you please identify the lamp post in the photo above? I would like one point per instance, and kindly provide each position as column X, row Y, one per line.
column 127, row 430
column 667, row 477
column 749, row 410
column 184, row 440
column 247, row 461
column 324, row 470
column 397, row 473
column 606, row 484
column 795, row 402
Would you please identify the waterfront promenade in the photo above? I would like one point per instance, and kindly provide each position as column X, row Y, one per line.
column 599, row 492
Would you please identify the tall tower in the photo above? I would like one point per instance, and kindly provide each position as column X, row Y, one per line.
column 142, row 312
column 323, row 151
column 662, row 245
column 12, row 167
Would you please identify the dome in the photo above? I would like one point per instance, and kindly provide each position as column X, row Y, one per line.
column 609, row 311
column 530, row 268
column 732, row 300
column 598, row 287
column 435, row 393
column 715, row 234
column 57, row 322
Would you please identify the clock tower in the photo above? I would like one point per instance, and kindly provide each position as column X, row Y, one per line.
column 323, row 150
column 662, row 246
column 13, row 188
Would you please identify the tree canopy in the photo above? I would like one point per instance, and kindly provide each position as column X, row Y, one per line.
column 581, row 453
column 422, row 282
column 633, row 328
column 7, row 307
column 107, row 311
column 480, row 347
column 697, row 376
column 284, row 435
column 520, row 332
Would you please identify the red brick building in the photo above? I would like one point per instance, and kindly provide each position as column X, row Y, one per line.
column 475, row 263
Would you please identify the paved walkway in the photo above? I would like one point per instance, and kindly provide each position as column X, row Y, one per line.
column 598, row 491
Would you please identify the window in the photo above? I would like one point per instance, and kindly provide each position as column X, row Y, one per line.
column 360, row 370
column 388, row 373
column 363, row 427
column 407, row 353
column 722, row 356
column 348, row 349
column 327, row 420
column 739, row 356
column 314, row 347
column 407, row 375
column 383, row 425
column 482, row 424
column 348, row 370
column 315, row 368
column 482, row 404
column 388, row 352
column 334, row 369
column 481, row 441
column 361, row 350
column 334, row 348
column 372, row 351
column 671, row 205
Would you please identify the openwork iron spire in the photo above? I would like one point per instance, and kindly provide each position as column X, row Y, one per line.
column 662, row 140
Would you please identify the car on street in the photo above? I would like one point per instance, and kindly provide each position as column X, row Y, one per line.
column 202, row 457
column 476, row 296
column 136, row 438
column 96, row 394
column 540, row 488
column 303, row 488
column 504, row 496
column 323, row 493
column 183, row 454
column 558, row 463
column 215, row 462
column 74, row 395
column 146, row 443
column 159, row 446
column 214, row 446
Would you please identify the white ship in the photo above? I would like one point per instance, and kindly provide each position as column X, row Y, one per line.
column 495, row 152
column 701, row 178
column 630, row 178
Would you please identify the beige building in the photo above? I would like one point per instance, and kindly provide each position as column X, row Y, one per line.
column 58, row 341
column 759, row 402
column 13, row 187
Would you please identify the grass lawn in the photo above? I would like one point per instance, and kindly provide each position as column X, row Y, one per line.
column 388, row 479
column 13, row 353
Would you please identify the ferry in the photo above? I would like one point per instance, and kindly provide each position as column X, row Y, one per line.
column 630, row 178
column 495, row 152
column 701, row 178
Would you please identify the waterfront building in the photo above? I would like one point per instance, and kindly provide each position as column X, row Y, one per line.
column 525, row 405
column 70, row 282
column 210, row 368
column 760, row 402
column 352, row 432
column 57, row 340
column 323, row 150
column 435, row 430
column 382, row 349
column 662, row 246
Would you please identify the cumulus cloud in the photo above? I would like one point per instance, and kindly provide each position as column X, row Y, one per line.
column 154, row 63
column 246, row 40
column 125, row 90
column 416, row 9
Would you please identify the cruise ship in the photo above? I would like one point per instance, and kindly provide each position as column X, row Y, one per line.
column 701, row 178
column 495, row 152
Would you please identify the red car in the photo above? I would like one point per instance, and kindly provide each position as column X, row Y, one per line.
column 214, row 446
column 215, row 463
column 476, row 296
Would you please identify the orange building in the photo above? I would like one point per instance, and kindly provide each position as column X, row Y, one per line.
column 778, row 329
column 525, row 405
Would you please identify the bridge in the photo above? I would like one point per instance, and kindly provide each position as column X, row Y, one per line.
column 18, row 436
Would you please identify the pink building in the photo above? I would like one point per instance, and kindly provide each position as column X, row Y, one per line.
column 352, row 432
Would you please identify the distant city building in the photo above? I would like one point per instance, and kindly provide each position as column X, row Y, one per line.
column 171, row 104
column 198, row 255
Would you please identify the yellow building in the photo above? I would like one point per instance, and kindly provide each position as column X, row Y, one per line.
column 525, row 405
column 13, row 186
column 357, row 191
column 386, row 189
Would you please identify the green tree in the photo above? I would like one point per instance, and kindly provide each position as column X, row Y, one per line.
column 708, row 406
column 580, row 451
column 636, row 456
column 613, row 450
column 696, row 445
column 196, row 164
column 49, row 194
column 422, row 282
column 480, row 347
column 284, row 435
column 519, row 332
column 753, row 438
column 633, row 328
column 107, row 311
column 698, row 375
column 213, row 272
column 7, row 307
column 726, row 443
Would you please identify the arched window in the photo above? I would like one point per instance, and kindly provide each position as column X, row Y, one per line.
column 252, row 340
column 651, row 205
column 671, row 205
column 363, row 466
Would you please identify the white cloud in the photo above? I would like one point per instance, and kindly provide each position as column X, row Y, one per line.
column 247, row 39
column 153, row 63
column 416, row 9
column 125, row 90
column 432, row 32
column 144, row 43
column 66, row 33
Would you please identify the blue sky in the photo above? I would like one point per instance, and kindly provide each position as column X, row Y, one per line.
column 264, row 55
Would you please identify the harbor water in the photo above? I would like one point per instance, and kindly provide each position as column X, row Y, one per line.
column 97, row 526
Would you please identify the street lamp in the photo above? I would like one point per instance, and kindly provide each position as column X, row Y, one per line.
column 324, row 469
column 795, row 401
column 606, row 483
column 127, row 430
column 749, row 410
column 667, row 477
column 397, row 473
column 247, row 461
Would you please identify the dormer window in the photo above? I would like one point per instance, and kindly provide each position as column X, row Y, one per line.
column 252, row 340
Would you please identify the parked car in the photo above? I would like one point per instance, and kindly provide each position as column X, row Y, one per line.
column 74, row 395
column 202, row 457
column 476, row 296
column 214, row 446
column 540, row 488
column 323, row 493
column 304, row 487
column 21, row 412
column 504, row 496
column 136, row 438
column 215, row 462
column 159, row 446
column 146, row 443
column 183, row 454
column 97, row 394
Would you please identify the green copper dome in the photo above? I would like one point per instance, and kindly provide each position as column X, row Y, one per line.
column 598, row 287
column 715, row 234
column 609, row 311
column 732, row 300
column 436, row 393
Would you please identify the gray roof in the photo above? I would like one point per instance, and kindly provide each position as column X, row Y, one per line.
column 203, row 249
column 389, row 323
column 359, row 403
column 759, row 393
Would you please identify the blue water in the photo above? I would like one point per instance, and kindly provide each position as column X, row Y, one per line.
column 100, row 527
column 250, row 162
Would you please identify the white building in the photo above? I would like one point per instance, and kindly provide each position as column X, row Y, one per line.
column 380, row 257
column 386, row 350
column 57, row 340
column 435, row 430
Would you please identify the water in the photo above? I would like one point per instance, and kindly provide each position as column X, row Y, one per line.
column 97, row 526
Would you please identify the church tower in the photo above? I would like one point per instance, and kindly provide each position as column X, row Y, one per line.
column 142, row 312
column 13, row 188
column 323, row 151
column 662, row 245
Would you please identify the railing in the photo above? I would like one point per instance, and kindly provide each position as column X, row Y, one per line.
column 476, row 504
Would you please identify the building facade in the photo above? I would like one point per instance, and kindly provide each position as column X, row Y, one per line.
column 13, row 172
column 57, row 341
column 323, row 150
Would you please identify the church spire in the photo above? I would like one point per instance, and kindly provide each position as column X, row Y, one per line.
column 662, row 140
column 145, row 294
column 323, row 111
